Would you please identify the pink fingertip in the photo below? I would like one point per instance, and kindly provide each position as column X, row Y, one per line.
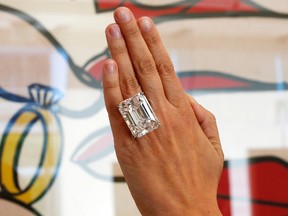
column 145, row 24
column 110, row 66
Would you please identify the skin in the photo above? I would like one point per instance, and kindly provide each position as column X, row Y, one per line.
column 175, row 169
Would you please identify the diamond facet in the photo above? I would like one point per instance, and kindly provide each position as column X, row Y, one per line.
column 138, row 115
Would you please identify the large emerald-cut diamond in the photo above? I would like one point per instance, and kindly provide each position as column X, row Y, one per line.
column 138, row 115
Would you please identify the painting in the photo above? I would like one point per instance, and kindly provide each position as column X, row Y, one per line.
column 56, row 147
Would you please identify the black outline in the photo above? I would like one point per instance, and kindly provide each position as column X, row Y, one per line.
column 79, row 72
column 18, row 150
column 7, row 197
column 83, row 76
column 250, row 161
column 189, row 4
column 252, row 84
column 254, row 201
column 31, row 107
column 13, row 97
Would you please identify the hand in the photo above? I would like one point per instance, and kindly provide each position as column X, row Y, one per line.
column 175, row 169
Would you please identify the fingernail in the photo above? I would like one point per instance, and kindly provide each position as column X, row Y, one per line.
column 110, row 66
column 145, row 24
column 123, row 15
column 115, row 31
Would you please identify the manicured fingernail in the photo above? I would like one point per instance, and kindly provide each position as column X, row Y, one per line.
column 110, row 66
column 123, row 15
column 145, row 24
column 115, row 31
column 109, row 75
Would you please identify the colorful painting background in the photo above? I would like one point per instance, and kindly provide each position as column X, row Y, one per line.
column 56, row 149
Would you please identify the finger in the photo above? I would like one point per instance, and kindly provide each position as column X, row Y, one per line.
column 171, row 84
column 128, row 81
column 207, row 122
column 141, row 58
column 113, row 96
column 206, row 119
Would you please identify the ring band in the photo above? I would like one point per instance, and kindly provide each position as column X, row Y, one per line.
column 138, row 115
column 38, row 112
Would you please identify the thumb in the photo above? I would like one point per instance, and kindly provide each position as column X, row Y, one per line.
column 207, row 122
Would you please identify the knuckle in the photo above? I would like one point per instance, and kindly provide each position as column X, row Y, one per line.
column 153, row 41
column 130, row 85
column 119, row 49
column 111, row 84
column 166, row 69
column 146, row 65
column 113, row 111
column 132, row 31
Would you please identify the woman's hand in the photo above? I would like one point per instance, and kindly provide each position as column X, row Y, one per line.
column 175, row 169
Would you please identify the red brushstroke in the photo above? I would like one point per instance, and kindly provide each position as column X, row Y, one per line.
column 268, row 188
column 210, row 82
column 212, row 6
column 142, row 10
column 96, row 69
column 139, row 12
column 105, row 5
column 95, row 65
column 187, row 7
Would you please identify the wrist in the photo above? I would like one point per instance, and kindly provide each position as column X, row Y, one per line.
column 196, row 209
column 204, row 210
column 205, row 207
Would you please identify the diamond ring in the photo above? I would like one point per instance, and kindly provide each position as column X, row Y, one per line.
column 138, row 115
